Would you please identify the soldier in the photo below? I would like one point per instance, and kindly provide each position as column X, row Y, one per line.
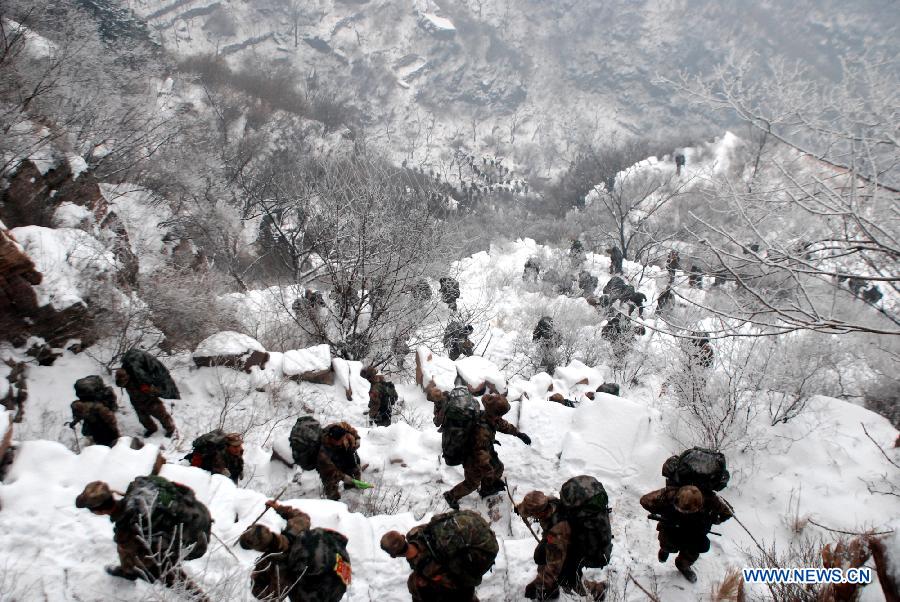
column 576, row 253
column 679, row 163
column 338, row 461
column 219, row 453
column 686, row 516
column 449, row 556
column 695, row 278
column 146, row 380
column 155, row 555
column 587, row 282
column 615, row 259
column 95, row 407
column 449, row 290
column 456, row 340
column 17, row 392
column 673, row 263
column 548, row 339
column 271, row 578
column 558, row 555
column 300, row 563
column 532, row 270
column 482, row 467
column 665, row 300
column 620, row 332
column 382, row 397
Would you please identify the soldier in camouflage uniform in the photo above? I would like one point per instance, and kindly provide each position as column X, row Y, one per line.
column 95, row 408
column 135, row 559
column 429, row 581
column 456, row 340
column 219, row 453
column 686, row 516
column 449, row 290
column 338, row 461
column 382, row 397
column 147, row 404
column 559, row 564
column 271, row 577
column 482, row 467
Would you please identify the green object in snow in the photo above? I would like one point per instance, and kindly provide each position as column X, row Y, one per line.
column 362, row 484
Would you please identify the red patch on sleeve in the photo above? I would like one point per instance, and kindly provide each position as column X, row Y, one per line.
column 342, row 568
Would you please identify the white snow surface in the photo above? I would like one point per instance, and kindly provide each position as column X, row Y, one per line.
column 312, row 359
column 70, row 260
column 70, row 215
column 821, row 462
column 227, row 343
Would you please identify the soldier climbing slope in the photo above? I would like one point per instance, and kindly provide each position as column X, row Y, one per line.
column 686, row 516
column 449, row 556
column 95, row 409
column 147, row 380
column 331, row 451
column 687, row 507
column 300, row 563
column 157, row 525
column 382, row 397
column 449, row 290
column 468, row 436
column 219, row 453
column 575, row 534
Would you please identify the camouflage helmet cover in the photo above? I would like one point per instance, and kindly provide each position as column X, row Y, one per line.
column 688, row 499
column 533, row 504
column 394, row 543
column 95, row 494
column 494, row 404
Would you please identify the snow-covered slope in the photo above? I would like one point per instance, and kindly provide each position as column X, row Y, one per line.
column 816, row 466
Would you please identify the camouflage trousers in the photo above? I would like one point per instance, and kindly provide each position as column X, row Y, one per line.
column 423, row 590
column 147, row 410
column 482, row 471
column 136, row 564
column 688, row 544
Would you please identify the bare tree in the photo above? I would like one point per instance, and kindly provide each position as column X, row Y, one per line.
column 809, row 232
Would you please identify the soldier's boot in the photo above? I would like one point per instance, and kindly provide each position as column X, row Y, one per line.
column 147, row 422
column 116, row 570
column 451, row 501
column 662, row 555
column 491, row 488
column 596, row 590
column 684, row 567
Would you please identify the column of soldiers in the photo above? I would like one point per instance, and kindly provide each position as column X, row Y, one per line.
column 448, row 556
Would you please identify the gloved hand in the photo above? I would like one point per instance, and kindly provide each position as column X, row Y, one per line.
column 525, row 438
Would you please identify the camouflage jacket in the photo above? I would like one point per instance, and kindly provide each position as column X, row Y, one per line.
column 485, row 432
column 662, row 502
column 93, row 414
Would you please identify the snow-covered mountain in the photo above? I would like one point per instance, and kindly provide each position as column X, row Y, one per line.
column 530, row 79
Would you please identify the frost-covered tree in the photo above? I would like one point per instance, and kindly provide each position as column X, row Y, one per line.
column 809, row 232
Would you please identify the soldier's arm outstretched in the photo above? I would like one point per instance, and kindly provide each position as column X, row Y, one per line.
column 508, row 428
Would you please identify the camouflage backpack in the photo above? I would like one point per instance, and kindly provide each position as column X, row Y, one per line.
column 306, row 439
column 319, row 559
column 463, row 543
column 210, row 443
column 461, row 413
column 144, row 369
column 585, row 505
column 178, row 522
column 698, row 466
column 92, row 388
column 387, row 394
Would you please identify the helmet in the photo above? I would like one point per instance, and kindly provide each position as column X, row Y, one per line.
column 257, row 537
column 495, row 404
column 533, row 504
column 394, row 543
column 95, row 495
column 688, row 499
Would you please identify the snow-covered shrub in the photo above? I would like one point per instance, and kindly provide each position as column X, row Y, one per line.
column 185, row 307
